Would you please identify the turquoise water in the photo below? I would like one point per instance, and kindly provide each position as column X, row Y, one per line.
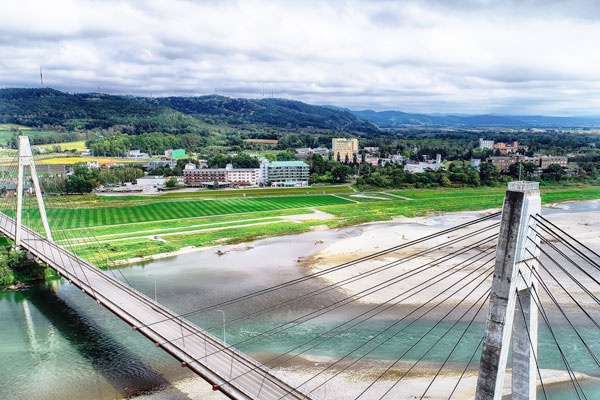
column 56, row 343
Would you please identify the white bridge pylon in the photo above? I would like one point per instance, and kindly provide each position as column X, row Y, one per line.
column 25, row 159
column 513, row 282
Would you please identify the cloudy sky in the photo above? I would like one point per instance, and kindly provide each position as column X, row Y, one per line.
column 446, row 56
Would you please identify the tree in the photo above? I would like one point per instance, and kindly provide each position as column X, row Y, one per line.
column 521, row 169
column 488, row 172
column 341, row 172
column 554, row 172
column 171, row 182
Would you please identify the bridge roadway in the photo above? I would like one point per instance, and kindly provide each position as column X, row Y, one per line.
column 195, row 348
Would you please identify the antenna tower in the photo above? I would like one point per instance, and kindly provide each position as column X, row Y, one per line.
column 41, row 76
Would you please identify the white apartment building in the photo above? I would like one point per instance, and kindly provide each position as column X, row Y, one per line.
column 486, row 144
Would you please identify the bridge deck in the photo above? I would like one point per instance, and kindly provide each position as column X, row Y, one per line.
column 196, row 349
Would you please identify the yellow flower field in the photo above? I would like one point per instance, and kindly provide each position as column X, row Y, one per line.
column 79, row 146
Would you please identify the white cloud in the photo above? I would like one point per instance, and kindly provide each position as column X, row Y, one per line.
column 424, row 56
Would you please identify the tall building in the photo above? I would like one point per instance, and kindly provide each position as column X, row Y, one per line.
column 343, row 147
column 284, row 173
column 486, row 144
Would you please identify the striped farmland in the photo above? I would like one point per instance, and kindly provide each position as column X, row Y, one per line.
column 63, row 218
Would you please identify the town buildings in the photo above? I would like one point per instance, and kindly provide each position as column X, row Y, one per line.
column 162, row 163
column 136, row 154
column 422, row 167
column 543, row 162
column 344, row 148
column 178, row 153
column 197, row 177
column 505, row 149
column 308, row 152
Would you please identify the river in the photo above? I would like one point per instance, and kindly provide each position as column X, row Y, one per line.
column 56, row 343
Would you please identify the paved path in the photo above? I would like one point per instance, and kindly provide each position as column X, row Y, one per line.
column 398, row 196
column 196, row 349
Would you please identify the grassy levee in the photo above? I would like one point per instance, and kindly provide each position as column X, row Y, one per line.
column 64, row 218
column 173, row 231
column 185, row 223
column 449, row 192
column 150, row 216
column 429, row 203
column 214, row 194
column 139, row 248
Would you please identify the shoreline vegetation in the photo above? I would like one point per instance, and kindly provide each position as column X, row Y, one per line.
column 133, row 229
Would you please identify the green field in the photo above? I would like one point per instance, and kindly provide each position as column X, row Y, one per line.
column 259, row 192
column 6, row 133
column 147, row 225
column 64, row 218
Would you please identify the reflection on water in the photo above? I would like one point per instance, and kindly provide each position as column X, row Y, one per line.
column 56, row 343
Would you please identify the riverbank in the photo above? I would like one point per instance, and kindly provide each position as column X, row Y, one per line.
column 345, row 387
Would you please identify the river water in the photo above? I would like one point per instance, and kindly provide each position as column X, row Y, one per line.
column 56, row 343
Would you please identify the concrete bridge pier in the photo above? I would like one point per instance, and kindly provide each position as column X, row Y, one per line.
column 516, row 253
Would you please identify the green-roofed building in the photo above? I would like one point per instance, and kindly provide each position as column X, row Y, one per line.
column 284, row 173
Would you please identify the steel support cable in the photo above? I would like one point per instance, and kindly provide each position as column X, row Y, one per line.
column 271, row 332
column 534, row 351
column 6, row 202
column 466, row 368
column 59, row 233
column 69, row 240
column 332, row 269
column 29, row 210
column 88, row 282
column 356, row 278
column 490, row 269
column 387, row 329
column 388, row 306
column 94, row 238
column 572, row 376
column 334, row 285
column 79, row 243
column 569, row 245
column 562, row 311
column 27, row 200
column 316, row 313
column 566, row 257
column 566, row 291
column 422, row 268
column 566, row 234
column 564, row 270
column 486, row 294
column 464, row 332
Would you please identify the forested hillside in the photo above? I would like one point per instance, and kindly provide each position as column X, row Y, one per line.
column 136, row 115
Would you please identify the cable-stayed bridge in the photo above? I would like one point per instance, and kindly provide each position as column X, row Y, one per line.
column 430, row 295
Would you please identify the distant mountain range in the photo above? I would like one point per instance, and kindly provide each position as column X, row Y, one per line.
column 397, row 119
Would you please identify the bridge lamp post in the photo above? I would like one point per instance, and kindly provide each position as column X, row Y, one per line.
column 223, row 312
column 153, row 277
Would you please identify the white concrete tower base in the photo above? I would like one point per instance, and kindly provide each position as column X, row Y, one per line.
column 516, row 253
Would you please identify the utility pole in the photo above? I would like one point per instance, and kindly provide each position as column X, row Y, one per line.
column 516, row 256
